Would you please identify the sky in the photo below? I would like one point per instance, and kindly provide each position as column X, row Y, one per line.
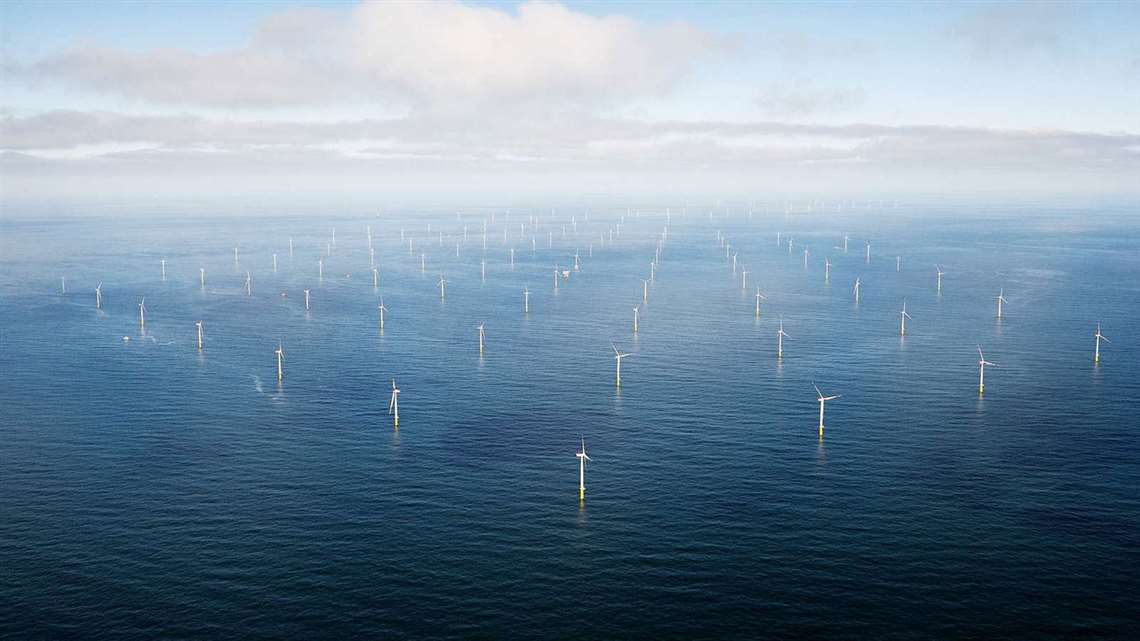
column 482, row 99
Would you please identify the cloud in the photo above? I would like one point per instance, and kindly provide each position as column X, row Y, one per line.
column 786, row 102
column 423, row 55
column 594, row 143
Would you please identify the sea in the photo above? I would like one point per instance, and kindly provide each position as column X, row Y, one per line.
column 149, row 489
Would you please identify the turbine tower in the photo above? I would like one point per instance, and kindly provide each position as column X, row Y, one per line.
column 618, row 355
column 856, row 290
column 759, row 297
column 142, row 313
column 902, row 319
column 635, row 314
column 394, row 405
column 826, row 269
column 441, row 285
column 280, row 363
column 1099, row 337
column 939, row 272
column 482, row 338
column 382, row 311
column 1000, row 301
column 306, row 300
column 99, row 296
column 982, row 362
column 199, row 326
column 582, row 458
column 202, row 277
column 526, row 300
column 780, row 340
column 822, row 399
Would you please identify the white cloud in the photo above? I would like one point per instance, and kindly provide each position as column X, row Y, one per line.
column 785, row 102
column 427, row 55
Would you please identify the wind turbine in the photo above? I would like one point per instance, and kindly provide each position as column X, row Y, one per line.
column 321, row 268
column 142, row 313
column 982, row 362
column 202, row 277
column 822, row 399
column 375, row 278
column 902, row 319
column 845, row 237
column 868, row 251
column 280, row 363
column 898, row 263
column 826, row 269
column 382, row 310
column 1099, row 338
column 780, row 340
column 306, row 300
column 526, row 300
column 743, row 278
column 939, row 272
column 759, row 296
column 644, row 291
column 162, row 262
column 805, row 257
column 1000, row 300
column 441, row 285
column 62, row 285
column 618, row 355
column 274, row 262
column 635, row 314
column 856, row 290
column 248, row 290
column 582, row 458
column 199, row 326
column 482, row 338
column 99, row 296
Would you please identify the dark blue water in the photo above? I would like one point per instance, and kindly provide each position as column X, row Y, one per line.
column 147, row 490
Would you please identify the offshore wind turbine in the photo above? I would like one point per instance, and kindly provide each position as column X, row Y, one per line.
column 202, row 277
column 902, row 319
column 805, row 257
column 280, row 363
column 99, row 296
column 321, row 268
column 275, row 262
column 939, row 271
column 759, row 297
column 982, row 362
column 618, row 355
column 441, row 284
column 162, row 263
column 375, row 278
column 635, row 315
column 526, row 300
column 743, row 278
column 1000, row 301
column 582, row 458
column 780, row 334
column 822, row 399
column 199, row 326
column 306, row 300
column 382, row 310
column 644, row 291
column 1099, row 337
column 248, row 289
column 142, row 313
column 898, row 263
column 482, row 338
column 62, row 285
column 868, row 251
column 856, row 290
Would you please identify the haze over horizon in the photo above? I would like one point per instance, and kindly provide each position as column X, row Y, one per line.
column 496, row 99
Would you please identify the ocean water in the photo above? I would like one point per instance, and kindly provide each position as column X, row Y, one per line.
column 148, row 490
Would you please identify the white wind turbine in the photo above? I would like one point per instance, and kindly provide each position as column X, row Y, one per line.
column 982, row 362
column 858, row 282
column 162, row 263
column 644, row 291
column 526, row 300
column 1000, row 301
column 202, row 277
column 805, row 257
column 99, row 296
column 62, row 285
column 780, row 334
column 826, row 269
column 394, row 405
column 482, row 338
column 142, row 313
column 743, row 278
column 759, row 297
column 306, row 300
column 582, row 458
column 383, row 310
column 868, row 252
column 1099, row 337
column 635, row 315
column 280, row 363
column 248, row 289
column 902, row 319
column 442, row 285
column 939, row 272
column 618, row 355
column 822, row 399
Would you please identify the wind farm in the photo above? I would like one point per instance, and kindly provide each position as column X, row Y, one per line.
column 795, row 436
